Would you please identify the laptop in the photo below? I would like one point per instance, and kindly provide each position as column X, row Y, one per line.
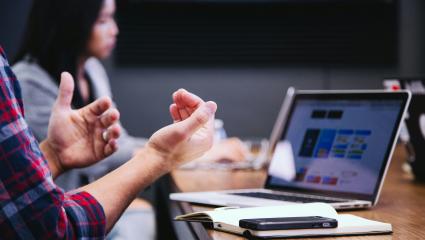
column 326, row 146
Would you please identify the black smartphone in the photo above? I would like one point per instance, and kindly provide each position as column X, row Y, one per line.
column 286, row 223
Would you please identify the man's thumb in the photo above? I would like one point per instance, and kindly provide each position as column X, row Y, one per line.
column 66, row 90
column 199, row 118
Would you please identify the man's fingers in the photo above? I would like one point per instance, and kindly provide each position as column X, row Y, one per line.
column 185, row 99
column 113, row 132
column 174, row 112
column 110, row 117
column 110, row 147
column 191, row 100
column 186, row 102
column 177, row 98
column 184, row 113
column 199, row 118
column 96, row 108
column 66, row 90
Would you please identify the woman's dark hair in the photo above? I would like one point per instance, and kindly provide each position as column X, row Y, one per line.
column 57, row 34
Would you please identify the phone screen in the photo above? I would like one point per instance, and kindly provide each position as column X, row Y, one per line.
column 287, row 223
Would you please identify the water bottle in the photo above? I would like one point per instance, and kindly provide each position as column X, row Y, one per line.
column 219, row 131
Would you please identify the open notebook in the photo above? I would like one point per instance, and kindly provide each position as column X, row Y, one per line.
column 227, row 219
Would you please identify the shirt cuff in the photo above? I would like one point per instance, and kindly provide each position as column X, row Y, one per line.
column 86, row 215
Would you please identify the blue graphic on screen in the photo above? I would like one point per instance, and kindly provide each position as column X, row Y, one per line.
column 340, row 145
column 324, row 145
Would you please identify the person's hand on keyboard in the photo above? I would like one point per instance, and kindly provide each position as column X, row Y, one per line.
column 226, row 151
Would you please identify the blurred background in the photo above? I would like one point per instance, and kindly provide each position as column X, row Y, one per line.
column 244, row 54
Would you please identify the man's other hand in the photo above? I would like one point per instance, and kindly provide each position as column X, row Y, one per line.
column 191, row 134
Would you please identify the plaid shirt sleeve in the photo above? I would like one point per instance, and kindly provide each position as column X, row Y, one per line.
column 31, row 205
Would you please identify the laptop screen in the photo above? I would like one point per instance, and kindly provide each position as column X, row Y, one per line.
column 339, row 143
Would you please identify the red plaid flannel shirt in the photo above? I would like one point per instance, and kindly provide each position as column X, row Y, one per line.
column 31, row 205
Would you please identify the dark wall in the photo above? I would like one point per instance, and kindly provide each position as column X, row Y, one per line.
column 257, row 33
column 249, row 97
column 244, row 55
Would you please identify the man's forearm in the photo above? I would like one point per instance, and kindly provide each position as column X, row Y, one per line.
column 116, row 190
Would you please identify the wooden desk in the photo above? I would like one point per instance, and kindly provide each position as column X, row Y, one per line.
column 402, row 201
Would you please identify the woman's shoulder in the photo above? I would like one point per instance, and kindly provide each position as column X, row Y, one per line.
column 94, row 67
column 93, row 62
column 99, row 77
column 30, row 72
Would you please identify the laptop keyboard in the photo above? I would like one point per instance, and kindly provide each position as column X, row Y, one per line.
column 286, row 197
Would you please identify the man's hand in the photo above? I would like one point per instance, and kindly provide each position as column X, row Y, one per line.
column 191, row 134
column 79, row 138
column 187, row 138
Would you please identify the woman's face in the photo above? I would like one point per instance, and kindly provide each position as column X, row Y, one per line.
column 104, row 32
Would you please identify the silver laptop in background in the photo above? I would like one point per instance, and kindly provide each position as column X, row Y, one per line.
column 326, row 146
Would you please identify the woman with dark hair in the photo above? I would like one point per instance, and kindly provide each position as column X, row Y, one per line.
column 72, row 35
column 69, row 35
